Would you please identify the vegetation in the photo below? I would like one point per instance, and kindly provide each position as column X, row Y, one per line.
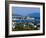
column 25, row 26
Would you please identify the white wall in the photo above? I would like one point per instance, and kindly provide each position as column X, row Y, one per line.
column 2, row 19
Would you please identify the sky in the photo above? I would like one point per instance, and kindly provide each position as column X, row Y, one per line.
column 25, row 10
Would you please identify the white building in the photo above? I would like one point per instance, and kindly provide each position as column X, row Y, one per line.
column 30, row 18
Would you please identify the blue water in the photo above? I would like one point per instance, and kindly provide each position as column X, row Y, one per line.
column 21, row 20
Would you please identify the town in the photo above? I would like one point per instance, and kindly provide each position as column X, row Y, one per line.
column 20, row 23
